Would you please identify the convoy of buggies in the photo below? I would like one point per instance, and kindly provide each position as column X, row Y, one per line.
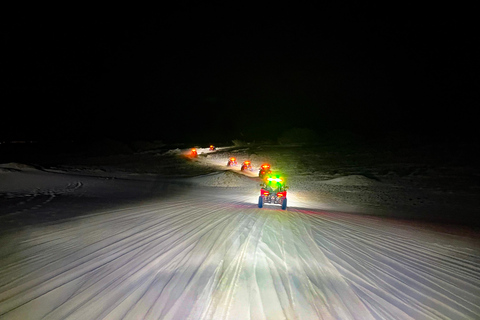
column 273, row 189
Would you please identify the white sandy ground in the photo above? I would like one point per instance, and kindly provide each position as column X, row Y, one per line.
column 200, row 248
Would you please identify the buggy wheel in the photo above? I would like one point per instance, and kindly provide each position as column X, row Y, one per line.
column 284, row 204
column 260, row 201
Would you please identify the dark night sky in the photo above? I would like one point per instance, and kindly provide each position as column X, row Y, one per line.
column 210, row 75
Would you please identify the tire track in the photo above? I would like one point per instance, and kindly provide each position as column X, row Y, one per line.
column 200, row 255
column 406, row 268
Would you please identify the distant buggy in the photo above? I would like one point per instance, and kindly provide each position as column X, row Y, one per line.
column 264, row 170
column 193, row 153
column 232, row 162
column 273, row 191
column 247, row 165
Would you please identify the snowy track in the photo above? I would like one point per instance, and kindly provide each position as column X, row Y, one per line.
column 210, row 253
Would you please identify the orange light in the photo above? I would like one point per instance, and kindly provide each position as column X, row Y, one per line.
column 233, row 159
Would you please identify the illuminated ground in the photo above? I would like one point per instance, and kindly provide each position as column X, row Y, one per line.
column 96, row 244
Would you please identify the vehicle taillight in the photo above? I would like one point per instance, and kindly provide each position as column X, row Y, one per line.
column 266, row 192
column 279, row 194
